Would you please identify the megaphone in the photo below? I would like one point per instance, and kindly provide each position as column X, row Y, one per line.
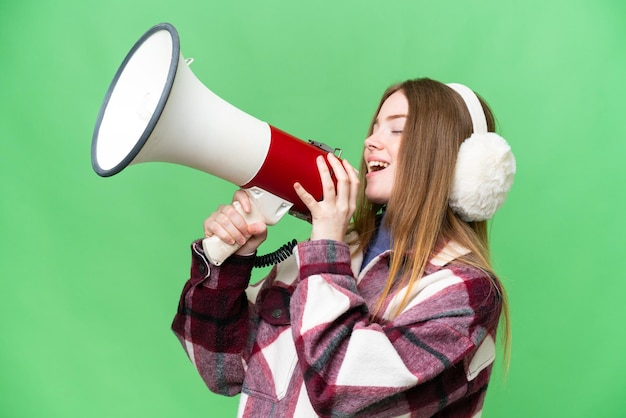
column 156, row 110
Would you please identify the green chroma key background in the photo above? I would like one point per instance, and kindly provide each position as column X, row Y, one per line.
column 91, row 268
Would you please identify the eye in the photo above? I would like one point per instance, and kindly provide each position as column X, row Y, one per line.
column 396, row 127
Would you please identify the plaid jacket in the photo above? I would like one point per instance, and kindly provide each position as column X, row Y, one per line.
column 300, row 343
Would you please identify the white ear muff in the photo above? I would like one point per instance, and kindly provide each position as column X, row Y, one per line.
column 484, row 169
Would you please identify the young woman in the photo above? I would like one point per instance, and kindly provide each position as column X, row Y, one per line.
column 391, row 308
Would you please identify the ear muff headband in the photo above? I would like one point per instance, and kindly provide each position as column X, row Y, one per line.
column 474, row 107
column 485, row 166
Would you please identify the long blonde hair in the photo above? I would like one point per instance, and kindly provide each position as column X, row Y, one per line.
column 417, row 214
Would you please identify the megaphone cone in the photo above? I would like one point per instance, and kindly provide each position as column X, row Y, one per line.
column 156, row 110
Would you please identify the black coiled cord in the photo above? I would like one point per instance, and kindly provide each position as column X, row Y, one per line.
column 277, row 256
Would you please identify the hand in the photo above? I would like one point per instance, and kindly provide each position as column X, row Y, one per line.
column 331, row 216
column 228, row 223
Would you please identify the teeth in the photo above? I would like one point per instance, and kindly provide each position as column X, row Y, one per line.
column 377, row 165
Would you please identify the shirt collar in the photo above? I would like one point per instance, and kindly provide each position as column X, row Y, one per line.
column 449, row 252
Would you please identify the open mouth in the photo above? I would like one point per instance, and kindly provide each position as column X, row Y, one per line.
column 374, row 166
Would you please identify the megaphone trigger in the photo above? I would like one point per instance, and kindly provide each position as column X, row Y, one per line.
column 335, row 151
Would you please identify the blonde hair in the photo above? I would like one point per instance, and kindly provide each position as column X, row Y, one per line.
column 437, row 123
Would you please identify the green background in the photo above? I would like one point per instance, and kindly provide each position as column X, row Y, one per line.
column 91, row 268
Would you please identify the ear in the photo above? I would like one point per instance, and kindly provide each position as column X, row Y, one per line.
column 485, row 166
column 483, row 176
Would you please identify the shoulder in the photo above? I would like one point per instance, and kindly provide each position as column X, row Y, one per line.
column 482, row 291
column 478, row 282
column 481, row 287
column 456, row 294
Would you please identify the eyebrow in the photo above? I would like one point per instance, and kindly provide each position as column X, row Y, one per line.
column 392, row 117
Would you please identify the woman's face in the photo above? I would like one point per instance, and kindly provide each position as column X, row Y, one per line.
column 381, row 147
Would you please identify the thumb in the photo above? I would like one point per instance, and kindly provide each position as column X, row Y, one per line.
column 257, row 228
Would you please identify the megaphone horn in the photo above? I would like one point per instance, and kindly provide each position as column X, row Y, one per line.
column 156, row 110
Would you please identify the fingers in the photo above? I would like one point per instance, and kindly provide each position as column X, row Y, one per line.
column 227, row 224
column 354, row 184
column 346, row 181
column 328, row 185
column 305, row 196
column 244, row 200
column 339, row 189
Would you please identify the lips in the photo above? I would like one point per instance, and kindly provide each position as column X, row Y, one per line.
column 374, row 165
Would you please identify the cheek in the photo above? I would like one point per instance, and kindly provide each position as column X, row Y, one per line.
column 394, row 151
column 392, row 178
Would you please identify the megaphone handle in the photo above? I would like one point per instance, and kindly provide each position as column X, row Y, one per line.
column 217, row 250
column 264, row 207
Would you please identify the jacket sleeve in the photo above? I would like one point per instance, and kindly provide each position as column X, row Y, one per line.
column 354, row 365
column 212, row 319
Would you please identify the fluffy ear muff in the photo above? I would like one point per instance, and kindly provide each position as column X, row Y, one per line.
column 485, row 167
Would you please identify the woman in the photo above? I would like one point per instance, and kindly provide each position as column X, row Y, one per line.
column 392, row 314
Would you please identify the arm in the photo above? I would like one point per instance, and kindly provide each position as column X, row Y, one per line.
column 212, row 320
column 213, row 317
column 417, row 361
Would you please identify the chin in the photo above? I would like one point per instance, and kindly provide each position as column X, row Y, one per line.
column 379, row 199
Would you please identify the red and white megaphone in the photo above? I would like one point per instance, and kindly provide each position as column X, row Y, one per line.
column 157, row 110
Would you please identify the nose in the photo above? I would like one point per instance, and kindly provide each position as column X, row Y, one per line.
column 373, row 142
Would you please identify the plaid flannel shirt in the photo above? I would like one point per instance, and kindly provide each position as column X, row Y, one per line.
column 301, row 342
